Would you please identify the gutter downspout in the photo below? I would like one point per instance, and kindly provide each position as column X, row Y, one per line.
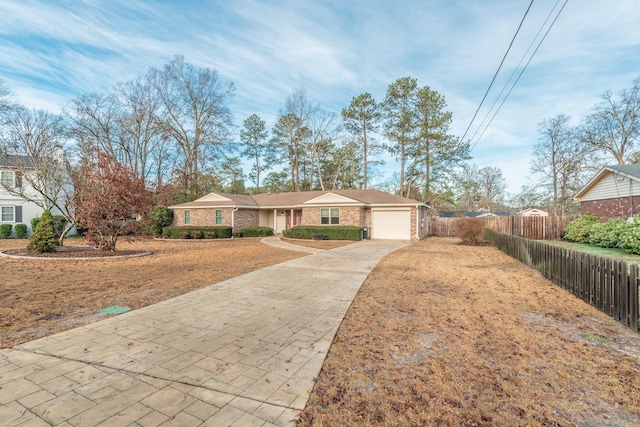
column 417, row 222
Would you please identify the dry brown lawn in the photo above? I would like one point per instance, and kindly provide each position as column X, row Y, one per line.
column 40, row 297
column 449, row 335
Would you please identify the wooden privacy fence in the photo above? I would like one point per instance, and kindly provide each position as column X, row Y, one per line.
column 531, row 227
column 609, row 285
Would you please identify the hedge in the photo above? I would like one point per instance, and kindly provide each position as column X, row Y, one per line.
column 329, row 232
column 174, row 232
column 5, row 231
column 21, row 231
column 257, row 231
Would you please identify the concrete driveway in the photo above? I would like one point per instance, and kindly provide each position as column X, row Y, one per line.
column 243, row 352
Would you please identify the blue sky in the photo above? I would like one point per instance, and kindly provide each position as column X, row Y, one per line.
column 54, row 50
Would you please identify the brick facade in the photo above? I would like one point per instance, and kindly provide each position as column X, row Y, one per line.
column 623, row 207
column 207, row 217
column 350, row 216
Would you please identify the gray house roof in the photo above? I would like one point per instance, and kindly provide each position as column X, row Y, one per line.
column 12, row 161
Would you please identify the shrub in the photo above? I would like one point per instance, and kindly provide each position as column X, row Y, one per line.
column 159, row 217
column 257, row 231
column 197, row 234
column 607, row 235
column 319, row 236
column 44, row 238
column 21, row 231
column 59, row 224
column 630, row 237
column 469, row 230
column 578, row 230
column 5, row 231
column 331, row 232
column 184, row 235
column 174, row 232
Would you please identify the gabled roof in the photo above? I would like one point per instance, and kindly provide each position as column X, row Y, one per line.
column 629, row 171
column 11, row 161
column 301, row 199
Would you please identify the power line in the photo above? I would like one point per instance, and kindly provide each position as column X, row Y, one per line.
column 520, row 75
column 497, row 71
column 515, row 70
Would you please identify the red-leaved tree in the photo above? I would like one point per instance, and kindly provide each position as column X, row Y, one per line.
column 109, row 201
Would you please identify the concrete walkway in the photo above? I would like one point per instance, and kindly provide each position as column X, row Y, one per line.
column 243, row 352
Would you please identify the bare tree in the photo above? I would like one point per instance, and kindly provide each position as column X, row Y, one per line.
column 468, row 187
column 613, row 127
column 492, row 186
column 34, row 144
column 194, row 114
column 560, row 159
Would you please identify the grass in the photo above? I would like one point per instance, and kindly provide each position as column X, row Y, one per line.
column 613, row 253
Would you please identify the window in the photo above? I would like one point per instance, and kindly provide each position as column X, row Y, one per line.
column 218, row 216
column 187, row 217
column 6, row 214
column 329, row 216
column 6, row 177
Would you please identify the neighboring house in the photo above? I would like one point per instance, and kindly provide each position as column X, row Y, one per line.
column 386, row 215
column 533, row 212
column 614, row 192
column 14, row 209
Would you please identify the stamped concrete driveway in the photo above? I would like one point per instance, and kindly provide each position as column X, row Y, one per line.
column 243, row 352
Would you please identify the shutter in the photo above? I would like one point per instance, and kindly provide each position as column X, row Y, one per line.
column 18, row 179
column 18, row 211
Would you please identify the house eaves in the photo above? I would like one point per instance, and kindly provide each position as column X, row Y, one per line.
column 629, row 171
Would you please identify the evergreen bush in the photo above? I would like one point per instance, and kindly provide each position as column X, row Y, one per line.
column 176, row 232
column 578, row 230
column 159, row 217
column 257, row 232
column 607, row 235
column 337, row 232
column 21, row 231
column 630, row 238
column 5, row 231
column 44, row 238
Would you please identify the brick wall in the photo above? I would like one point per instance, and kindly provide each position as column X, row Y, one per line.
column 245, row 218
column 207, row 217
column 623, row 207
column 352, row 216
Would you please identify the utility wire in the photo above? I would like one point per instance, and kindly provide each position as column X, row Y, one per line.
column 498, row 70
column 515, row 70
column 520, row 75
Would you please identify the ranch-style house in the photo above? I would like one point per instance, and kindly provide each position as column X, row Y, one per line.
column 387, row 216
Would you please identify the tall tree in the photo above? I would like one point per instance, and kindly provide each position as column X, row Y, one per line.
column 437, row 153
column 401, row 121
column 194, row 114
column 289, row 138
column 361, row 119
column 613, row 127
column 324, row 131
column 560, row 159
column 253, row 137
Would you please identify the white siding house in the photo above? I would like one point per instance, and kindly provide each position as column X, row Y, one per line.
column 15, row 209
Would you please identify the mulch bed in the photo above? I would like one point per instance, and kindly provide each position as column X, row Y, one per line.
column 73, row 252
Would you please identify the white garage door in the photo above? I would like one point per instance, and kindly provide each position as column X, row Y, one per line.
column 391, row 224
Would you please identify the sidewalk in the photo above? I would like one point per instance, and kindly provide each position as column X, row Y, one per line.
column 243, row 352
